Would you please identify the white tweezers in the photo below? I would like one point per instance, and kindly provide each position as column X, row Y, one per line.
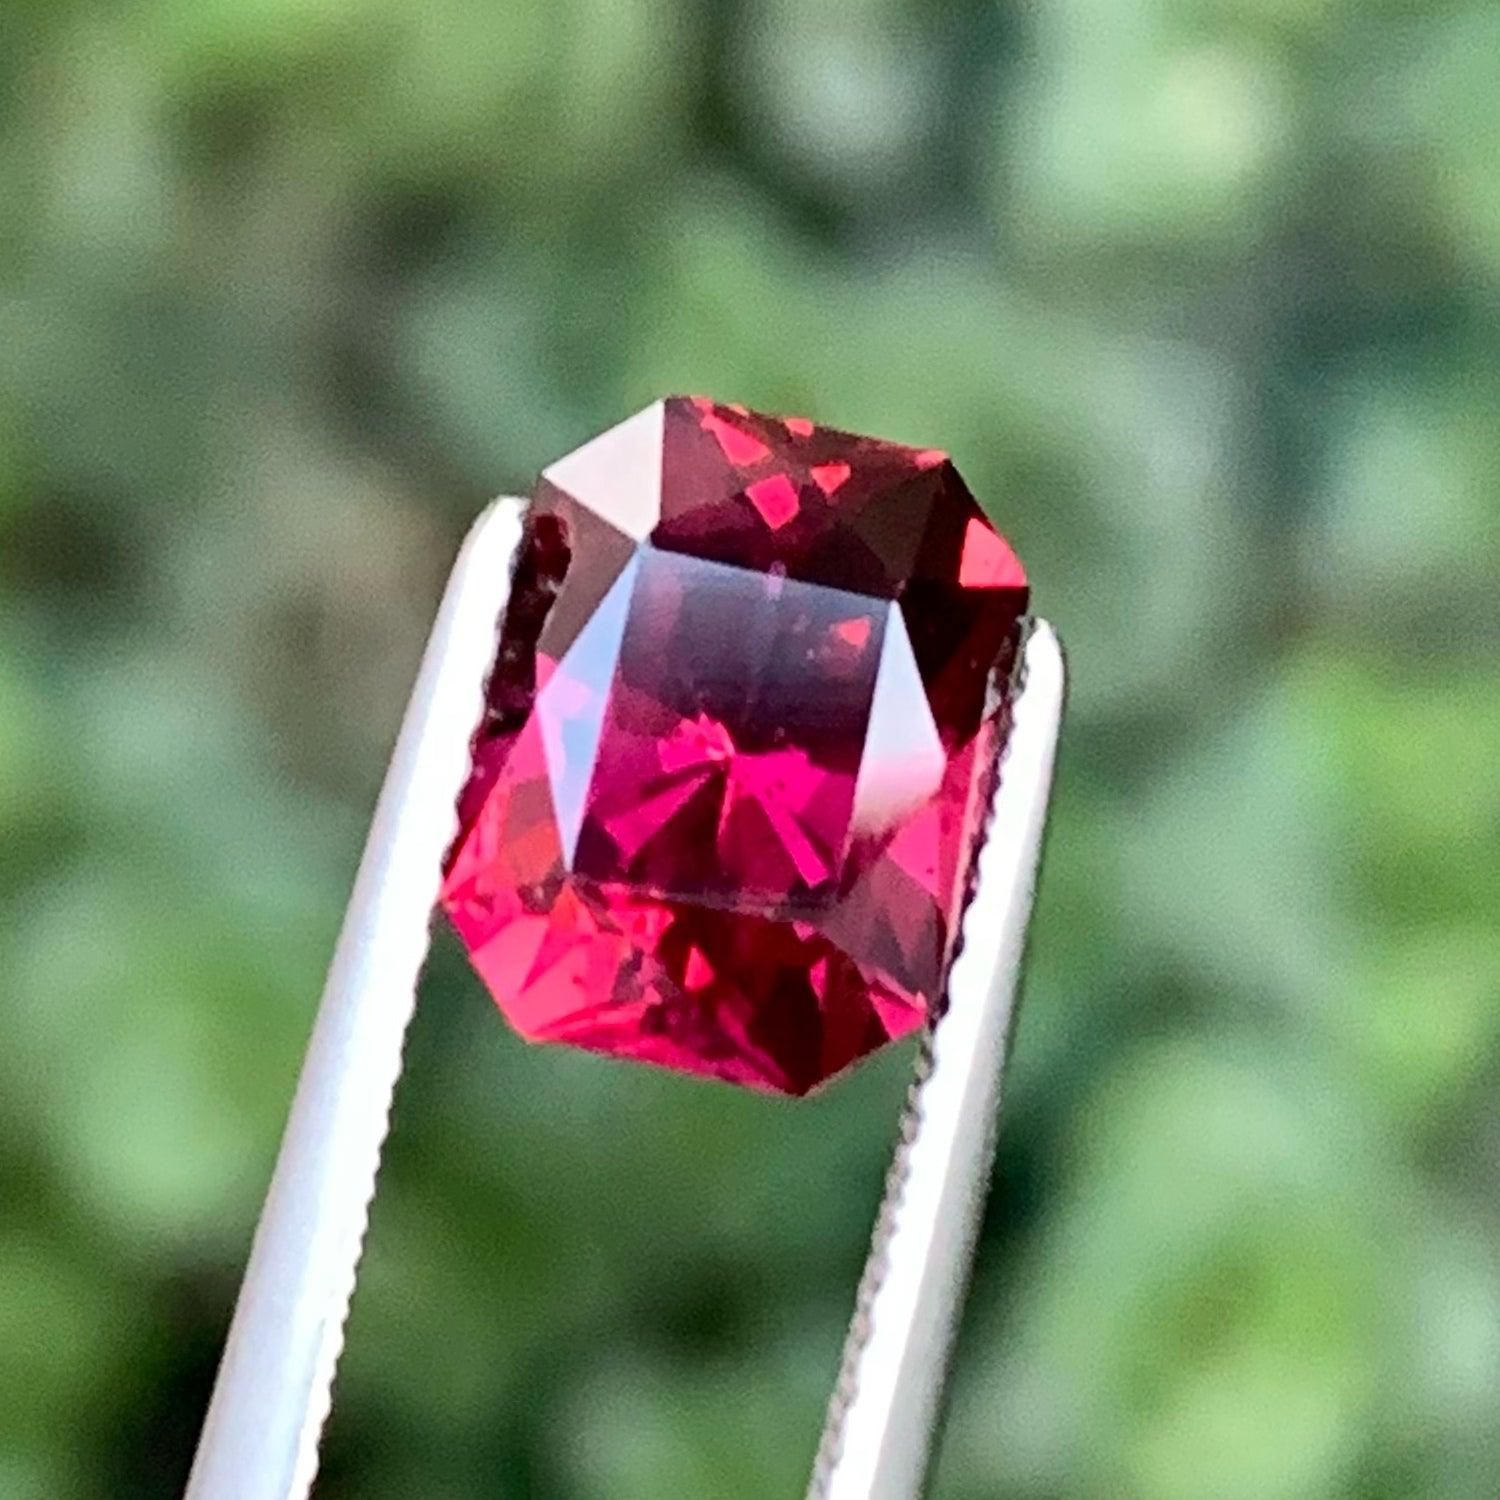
column 274, row 1388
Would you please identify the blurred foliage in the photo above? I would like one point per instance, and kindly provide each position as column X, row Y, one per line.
column 1201, row 295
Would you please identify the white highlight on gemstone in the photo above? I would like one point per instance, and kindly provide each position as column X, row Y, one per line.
column 570, row 708
column 618, row 474
column 903, row 759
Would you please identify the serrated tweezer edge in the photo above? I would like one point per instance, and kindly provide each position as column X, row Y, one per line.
column 883, row 1415
column 275, row 1381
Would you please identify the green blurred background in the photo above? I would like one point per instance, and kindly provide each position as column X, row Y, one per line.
column 1201, row 295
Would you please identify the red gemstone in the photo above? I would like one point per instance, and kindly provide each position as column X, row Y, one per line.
column 727, row 788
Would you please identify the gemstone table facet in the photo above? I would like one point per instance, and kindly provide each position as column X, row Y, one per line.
column 727, row 789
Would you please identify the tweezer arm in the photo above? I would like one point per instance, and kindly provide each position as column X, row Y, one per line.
column 271, row 1398
column 878, row 1439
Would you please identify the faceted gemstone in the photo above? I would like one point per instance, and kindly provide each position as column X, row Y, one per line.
column 749, row 686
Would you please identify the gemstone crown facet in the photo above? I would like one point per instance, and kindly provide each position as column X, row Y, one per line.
column 725, row 795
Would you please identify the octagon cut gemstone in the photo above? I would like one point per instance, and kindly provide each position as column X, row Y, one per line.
column 729, row 780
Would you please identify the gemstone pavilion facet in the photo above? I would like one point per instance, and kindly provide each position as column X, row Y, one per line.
column 729, row 780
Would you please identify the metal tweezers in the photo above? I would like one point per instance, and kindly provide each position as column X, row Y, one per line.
column 274, row 1387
